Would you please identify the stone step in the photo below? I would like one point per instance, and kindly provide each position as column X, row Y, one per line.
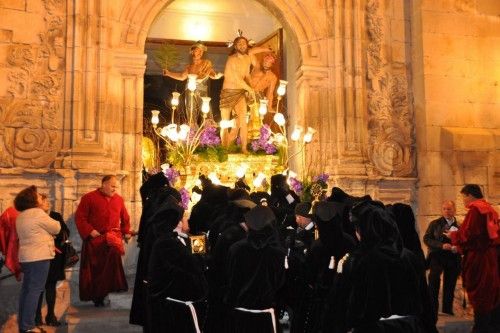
column 86, row 319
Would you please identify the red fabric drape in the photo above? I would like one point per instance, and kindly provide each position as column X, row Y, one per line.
column 101, row 270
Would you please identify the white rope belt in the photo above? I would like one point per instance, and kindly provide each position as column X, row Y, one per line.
column 193, row 311
column 270, row 311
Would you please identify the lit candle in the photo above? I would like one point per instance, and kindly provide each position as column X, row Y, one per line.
column 257, row 182
column 282, row 88
column 296, row 133
column 172, row 132
column 205, row 105
column 309, row 134
column 242, row 169
column 263, row 107
column 155, row 119
column 191, row 85
column 184, row 132
column 213, row 178
column 175, row 98
column 279, row 119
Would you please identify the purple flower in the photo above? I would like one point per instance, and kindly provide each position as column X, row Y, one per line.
column 295, row 185
column 265, row 132
column 264, row 142
column 270, row 148
column 209, row 137
column 185, row 197
column 171, row 175
column 322, row 178
column 255, row 145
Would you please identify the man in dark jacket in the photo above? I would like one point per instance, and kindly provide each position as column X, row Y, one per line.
column 443, row 257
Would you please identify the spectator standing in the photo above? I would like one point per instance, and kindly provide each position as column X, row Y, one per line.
column 36, row 231
column 443, row 257
column 56, row 269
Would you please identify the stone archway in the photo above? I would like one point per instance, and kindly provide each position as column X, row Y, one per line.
column 316, row 88
column 121, row 88
column 341, row 70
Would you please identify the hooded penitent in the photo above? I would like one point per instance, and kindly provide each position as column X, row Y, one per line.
column 255, row 273
column 163, row 220
column 378, row 279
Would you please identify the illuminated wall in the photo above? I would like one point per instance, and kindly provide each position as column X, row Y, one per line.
column 457, row 99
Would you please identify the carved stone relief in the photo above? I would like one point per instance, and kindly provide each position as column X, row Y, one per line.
column 391, row 148
column 30, row 114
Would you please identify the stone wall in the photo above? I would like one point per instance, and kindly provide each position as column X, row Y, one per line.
column 32, row 87
column 456, row 64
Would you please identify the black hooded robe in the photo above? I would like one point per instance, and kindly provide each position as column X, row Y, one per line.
column 174, row 272
column 255, row 276
column 217, row 272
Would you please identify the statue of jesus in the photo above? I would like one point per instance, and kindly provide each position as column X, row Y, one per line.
column 236, row 90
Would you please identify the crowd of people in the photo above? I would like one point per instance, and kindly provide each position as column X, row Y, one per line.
column 340, row 264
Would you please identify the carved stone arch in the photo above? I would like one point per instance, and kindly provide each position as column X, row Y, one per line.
column 302, row 29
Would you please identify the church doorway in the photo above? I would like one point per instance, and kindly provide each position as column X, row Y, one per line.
column 176, row 31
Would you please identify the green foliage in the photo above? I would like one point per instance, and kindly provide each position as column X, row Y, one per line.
column 212, row 153
column 166, row 56
column 175, row 158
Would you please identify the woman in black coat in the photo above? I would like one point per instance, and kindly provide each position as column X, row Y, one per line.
column 56, row 269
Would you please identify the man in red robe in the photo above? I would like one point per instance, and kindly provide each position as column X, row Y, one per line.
column 478, row 239
column 102, row 220
column 9, row 243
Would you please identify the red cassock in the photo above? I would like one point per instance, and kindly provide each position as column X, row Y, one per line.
column 9, row 243
column 478, row 239
column 101, row 269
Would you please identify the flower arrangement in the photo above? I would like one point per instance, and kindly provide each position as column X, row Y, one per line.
column 210, row 148
column 265, row 142
column 209, row 137
column 310, row 190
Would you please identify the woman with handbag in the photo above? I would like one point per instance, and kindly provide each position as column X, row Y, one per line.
column 56, row 269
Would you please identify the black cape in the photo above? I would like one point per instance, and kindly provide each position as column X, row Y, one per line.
column 256, row 275
column 176, row 273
